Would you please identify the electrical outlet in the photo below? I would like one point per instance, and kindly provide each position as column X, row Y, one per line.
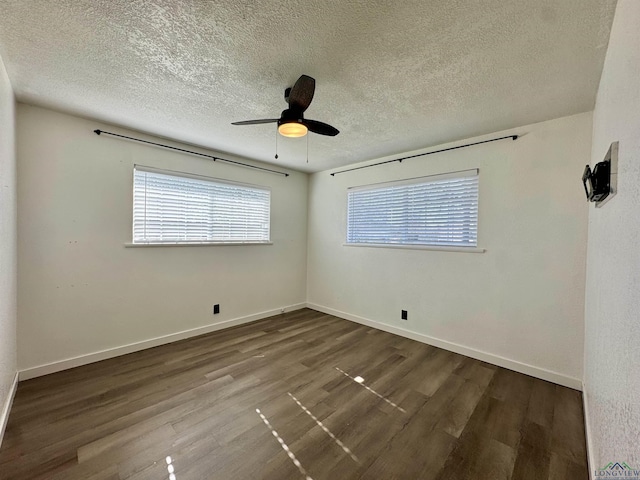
column 404, row 315
column 216, row 309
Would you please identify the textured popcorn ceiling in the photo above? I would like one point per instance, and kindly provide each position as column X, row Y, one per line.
column 393, row 76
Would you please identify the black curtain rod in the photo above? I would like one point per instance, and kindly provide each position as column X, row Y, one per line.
column 212, row 157
column 512, row 137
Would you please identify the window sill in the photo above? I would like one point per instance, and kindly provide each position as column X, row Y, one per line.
column 192, row 244
column 418, row 247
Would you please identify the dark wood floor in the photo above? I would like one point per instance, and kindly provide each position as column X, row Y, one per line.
column 281, row 399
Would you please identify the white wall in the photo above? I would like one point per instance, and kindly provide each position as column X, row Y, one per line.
column 81, row 291
column 8, row 254
column 612, row 345
column 522, row 300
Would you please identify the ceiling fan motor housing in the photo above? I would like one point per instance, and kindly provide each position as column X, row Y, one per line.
column 289, row 116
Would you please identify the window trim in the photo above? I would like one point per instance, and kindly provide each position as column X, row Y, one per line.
column 474, row 172
column 192, row 244
column 435, row 248
column 177, row 173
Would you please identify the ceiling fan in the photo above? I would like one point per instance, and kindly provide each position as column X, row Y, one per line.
column 292, row 122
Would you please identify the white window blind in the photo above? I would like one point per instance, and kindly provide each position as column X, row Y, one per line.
column 437, row 211
column 170, row 207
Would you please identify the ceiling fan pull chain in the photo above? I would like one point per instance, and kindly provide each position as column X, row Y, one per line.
column 276, row 143
column 307, row 148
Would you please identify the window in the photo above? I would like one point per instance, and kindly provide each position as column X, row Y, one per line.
column 171, row 207
column 440, row 210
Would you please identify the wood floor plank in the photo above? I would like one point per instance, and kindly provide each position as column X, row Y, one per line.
column 560, row 468
column 568, row 437
column 476, row 457
column 475, row 371
column 542, row 403
column 531, row 464
column 456, row 416
column 417, row 412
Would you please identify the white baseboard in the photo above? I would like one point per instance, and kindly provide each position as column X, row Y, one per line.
column 58, row 366
column 544, row 374
column 587, row 433
column 4, row 415
column 527, row 369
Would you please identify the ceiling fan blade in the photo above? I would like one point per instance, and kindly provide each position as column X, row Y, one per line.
column 302, row 93
column 256, row 122
column 321, row 128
